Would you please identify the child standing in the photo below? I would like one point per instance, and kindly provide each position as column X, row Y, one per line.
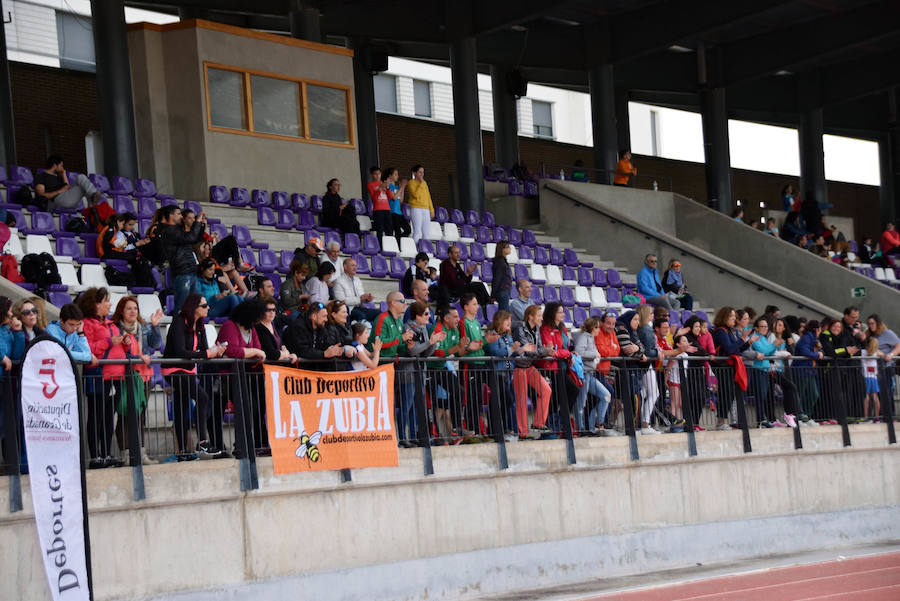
column 870, row 374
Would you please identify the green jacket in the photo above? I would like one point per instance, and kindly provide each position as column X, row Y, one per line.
column 389, row 330
column 473, row 332
column 451, row 340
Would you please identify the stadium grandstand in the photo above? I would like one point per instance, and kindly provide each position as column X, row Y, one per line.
column 606, row 366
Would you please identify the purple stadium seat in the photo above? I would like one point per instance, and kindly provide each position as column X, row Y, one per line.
column 614, row 279
column 567, row 296
column 486, row 273
column 613, row 295
column 90, row 249
column 600, row 278
column 58, row 299
column 483, row 234
column 145, row 188
column 477, row 252
column 358, row 205
column 540, row 255
column 100, row 182
column 491, row 311
column 551, row 294
column 305, row 220
column 441, row 215
column 525, row 253
column 3, row 177
column 21, row 223
column 515, row 237
column 568, row 274
column 398, row 267
column 121, row 186
column 286, row 220
column 467, row 231
column 299, row 201
column 284, row 263
column 276, row 282
column 536, row 295
column 370, row 244
column 266, row 216
column 218, row 194
column 514, row 187
column 281, row 200
column 521, row 272
column 379, row 267
column 487, row 218
column 42, row 223
column 142, row 226
column 123, row 204
column 268, row 261
column 425, row 246
column 597, row 312
column 68, row 247
column 585, row 277
column 854, row 247
column 579, row 314
column 570, row 257
column 556, row 257
column 242, row 235
column 457, row 217
column 194, row 206
column 315, row 203
column 240, row 197
column 463, row 251
column 248, row 256
column 473, row 218
column 352, row 244
column 499, row 233
column 332, row 236
column 260, row 198
column 441, row 249
column 146, row 207
column 406, row 211
column 362, row 265
column 702, row 315
column 685, row 315
column 528, row 238
column 166, row 201
column 17, row 176
column 218, row 228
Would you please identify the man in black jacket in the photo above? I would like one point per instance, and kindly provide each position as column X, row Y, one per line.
column 176, row 243
column 306, row 336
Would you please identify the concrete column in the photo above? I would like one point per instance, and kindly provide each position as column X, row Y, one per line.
column 304, row 21
column 506, row 119
column 603, row 120
column 467, row 125
column 623, row 121
column 114, row 88
column 812, row 156
column 715, row 149
column 889, row 159
column 7, row 129
column 366, row 123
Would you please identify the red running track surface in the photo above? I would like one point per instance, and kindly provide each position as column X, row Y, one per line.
column 872, row 578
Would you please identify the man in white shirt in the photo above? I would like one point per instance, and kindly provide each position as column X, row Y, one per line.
column 332, row 255
column 349, row 288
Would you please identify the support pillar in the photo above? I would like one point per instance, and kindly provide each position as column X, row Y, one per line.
column 603, row 120
column 889, row 159
column 467, row 124
column 114, row 88
column 7, row 128
column 623, row 120
column 715, row 149
column 304, row 20
column 506, row 118
column 812, row 156
column 366, row 123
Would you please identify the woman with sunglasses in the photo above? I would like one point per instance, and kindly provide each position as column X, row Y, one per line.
column 186, row 339
column 338, row 332
column 30, row 311
column 420, row 344
column 269, row 339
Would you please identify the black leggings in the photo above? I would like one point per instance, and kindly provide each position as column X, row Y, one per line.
column 184, row 388
column 227, row 248
column 790, row 392
column 401, row 226
column 381, row 221
column 101, row 414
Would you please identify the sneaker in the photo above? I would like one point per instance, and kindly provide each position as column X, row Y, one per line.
column 534, row 434
column 549, row 436
column 613, row 432
column 97, row 464
column 264, row 452
column 649, row 431
column 113, row 462
column 765, row 424
column 812, row 422
column 778, row 424
column 510, row 437
column 723, row 427
column 169, row 459
column 699, row 428
column 679, row 423
column 791, row 420
column 187, row 457
column 205, row 450
column 803, row 417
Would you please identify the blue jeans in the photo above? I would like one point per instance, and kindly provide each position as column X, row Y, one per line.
column 407, row 406
column 502, row 297
column 182, row 285
column 591, row 385
column 219, row 307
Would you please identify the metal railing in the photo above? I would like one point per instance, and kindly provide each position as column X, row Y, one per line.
column 139, row 417
column 580, row 173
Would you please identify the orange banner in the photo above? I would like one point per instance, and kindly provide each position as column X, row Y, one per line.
column 330, row 420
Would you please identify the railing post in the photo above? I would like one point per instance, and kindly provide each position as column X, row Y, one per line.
column 687, row 412
column 422, row 417
column 833, row 380
column 496, row 419
column 11, row 443
column 133, row 426
column 628, row 401
column 561, row 368
column 742, row 413
column 243, row 424
column 885, row 378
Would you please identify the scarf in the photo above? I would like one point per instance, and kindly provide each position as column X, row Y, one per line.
column 135, row 331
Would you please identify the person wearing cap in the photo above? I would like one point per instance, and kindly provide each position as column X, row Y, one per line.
column 673, row 284
column 309, row 255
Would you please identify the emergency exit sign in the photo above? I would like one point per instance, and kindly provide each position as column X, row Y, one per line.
column 858, row 292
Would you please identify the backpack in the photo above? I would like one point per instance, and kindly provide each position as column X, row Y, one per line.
column 114, row 277
column 97, row 215
column 40, row 269
column 9, row 268
column 76, row 225
column 24, row 196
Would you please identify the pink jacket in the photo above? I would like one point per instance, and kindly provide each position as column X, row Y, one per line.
column 99, row 334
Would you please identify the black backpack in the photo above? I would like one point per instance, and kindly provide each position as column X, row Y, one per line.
column 24, row 196
column 114, row 277
column 40, row 269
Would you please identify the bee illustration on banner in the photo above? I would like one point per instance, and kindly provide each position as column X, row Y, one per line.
column 308, row 446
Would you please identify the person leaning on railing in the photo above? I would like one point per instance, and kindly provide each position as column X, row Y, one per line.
column 803, row 369
column 474, row 372
column 729, row 343
column 445, row 390
column 269, row 338
column 555, row 337
column 306, row 337
column 186, row 339
column 420, row 344
column 338, row 332
column 526, row 376
column 504, row 346
column 586, row 347
column 69, row 331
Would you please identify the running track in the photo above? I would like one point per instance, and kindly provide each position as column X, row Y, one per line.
column 870, row 578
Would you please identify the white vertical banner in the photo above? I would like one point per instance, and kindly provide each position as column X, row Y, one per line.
column 52, row 432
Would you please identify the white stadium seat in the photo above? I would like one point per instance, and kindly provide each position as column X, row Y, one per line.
column 434, row 231
column 408, row 248
column 451, row 232
column 41, row 244
column 582, row 295
column 389, row 244
column 14, row 246
column 554, row 276
column 598, row 296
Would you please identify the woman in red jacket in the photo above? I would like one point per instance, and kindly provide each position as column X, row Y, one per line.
column 555, row 337
column 103, row 385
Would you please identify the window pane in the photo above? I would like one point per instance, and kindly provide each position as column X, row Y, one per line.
column 226, row 99
column 327, row 114
column 276, row 106
column 385, row 93
column 76, row 41
column 422, row 93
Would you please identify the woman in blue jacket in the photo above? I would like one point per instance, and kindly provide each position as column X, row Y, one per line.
column 728, row 342
column 808, row 346
column 759, row 374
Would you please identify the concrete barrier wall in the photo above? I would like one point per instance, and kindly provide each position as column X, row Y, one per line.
column 625, row 237
column 470, row 529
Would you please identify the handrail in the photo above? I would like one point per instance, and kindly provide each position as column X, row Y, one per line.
column 550, row 170
column 700, row 255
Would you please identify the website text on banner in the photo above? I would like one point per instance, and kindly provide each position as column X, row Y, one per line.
column 50, row 410
column 330, row 420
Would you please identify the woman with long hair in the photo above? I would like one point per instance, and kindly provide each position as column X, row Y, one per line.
column 504, row 346
column 526, row 376
column 398, row 190
column 586, row 347
column 269, row 338
column 627, row 326
column 729, row 342
column 30, row 311
column 421, row 208
column 555, row 337
column 186, row 340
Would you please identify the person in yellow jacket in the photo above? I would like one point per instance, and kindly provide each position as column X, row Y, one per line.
column 421, row 209
column 625, row 171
